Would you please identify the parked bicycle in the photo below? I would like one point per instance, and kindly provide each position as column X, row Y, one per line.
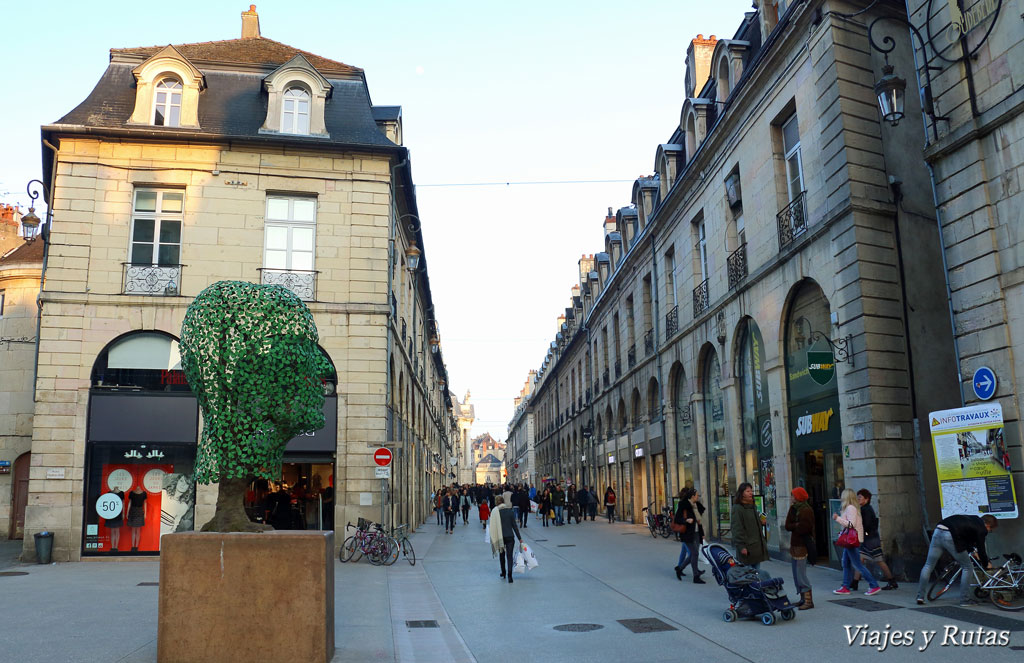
column 1003, row 586
column 401, row 534
column 371, row 540
column 658, row 523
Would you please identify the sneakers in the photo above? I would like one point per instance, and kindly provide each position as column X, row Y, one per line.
column 968, row 603
column 920, row 601
column 841, row 590
column 892, row 585
column 872, row 591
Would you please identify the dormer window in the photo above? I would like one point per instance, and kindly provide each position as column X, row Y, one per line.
column 167, row 103
column 295, row 112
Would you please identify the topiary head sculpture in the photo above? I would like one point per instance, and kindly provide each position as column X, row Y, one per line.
column 250, row 356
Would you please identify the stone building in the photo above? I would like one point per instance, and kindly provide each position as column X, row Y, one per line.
column 768, row 308
column 243, row 159
column 975, row 153
column 20, row 264
column 520, row 454
column 465, row 415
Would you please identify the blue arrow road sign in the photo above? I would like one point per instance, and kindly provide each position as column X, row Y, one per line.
column 984, row 383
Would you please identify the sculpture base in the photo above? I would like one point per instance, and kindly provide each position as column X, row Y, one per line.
column 239, row 596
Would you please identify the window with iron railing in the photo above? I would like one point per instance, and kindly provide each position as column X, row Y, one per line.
column 649, row 342
column 299, row 281
column 792, row 222
column 672, row 322
column 737, row 266
column 701, row 300
column 631, row 356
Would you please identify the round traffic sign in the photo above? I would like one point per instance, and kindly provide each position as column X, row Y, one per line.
column 382, row 456
column 984, row 382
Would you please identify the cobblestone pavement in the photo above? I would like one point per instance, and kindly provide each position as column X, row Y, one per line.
column 580, row 604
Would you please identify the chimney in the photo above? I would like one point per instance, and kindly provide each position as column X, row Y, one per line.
column 250, row 23
column 699, row 58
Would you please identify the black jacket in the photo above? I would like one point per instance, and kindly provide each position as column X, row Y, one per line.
column 968, row 533
column 694, row 531
column 508, row 524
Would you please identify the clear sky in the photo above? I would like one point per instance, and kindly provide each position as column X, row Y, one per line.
column 514, row 92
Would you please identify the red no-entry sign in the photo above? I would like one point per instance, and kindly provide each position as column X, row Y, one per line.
column 382, row 456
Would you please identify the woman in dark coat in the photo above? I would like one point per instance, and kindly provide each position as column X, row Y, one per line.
column 450, row 506
column 544, row 506
column 800, row 522
column 747, row 533
column 688, row 513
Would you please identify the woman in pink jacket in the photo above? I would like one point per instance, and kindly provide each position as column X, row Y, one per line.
column 850, row 517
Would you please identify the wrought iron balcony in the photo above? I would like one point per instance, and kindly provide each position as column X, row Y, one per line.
column 649, row 342
column 792, row 221
column 672, row 322
column 737, row 265
column 301, row 282
column 154, row 280
column 618, row 369
column 631, row 356
column 701, row 300
column 605, row 379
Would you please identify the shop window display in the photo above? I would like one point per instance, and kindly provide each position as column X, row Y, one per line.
column 138, row 493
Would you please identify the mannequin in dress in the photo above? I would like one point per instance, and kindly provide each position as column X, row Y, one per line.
column 135, row 514
column 114, row 524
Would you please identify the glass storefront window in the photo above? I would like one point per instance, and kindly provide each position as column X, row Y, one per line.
column 686, row 443
column 716, row 436
column 136, row 493
column 755, row 413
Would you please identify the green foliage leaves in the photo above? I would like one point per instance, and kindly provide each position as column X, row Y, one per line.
column 250, row 355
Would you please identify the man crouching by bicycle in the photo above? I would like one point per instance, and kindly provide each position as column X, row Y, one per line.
column 957, row 535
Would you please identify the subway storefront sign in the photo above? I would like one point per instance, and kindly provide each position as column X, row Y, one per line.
column 815, row 425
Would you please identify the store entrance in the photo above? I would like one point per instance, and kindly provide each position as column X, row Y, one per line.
column 821, row 472
column 302, row 500
column 19, row 496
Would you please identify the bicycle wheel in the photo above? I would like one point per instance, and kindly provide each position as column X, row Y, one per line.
column 1007, row 596
column 375, row 553
column 348, row 549
column 391, row 549
column 664, row 529
column 946, row 579
column 408, row 553
column 651, row 526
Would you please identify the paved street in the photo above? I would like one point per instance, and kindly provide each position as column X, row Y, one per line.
column 593, row 573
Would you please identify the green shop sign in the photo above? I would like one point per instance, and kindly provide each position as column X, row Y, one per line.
column 821, row 366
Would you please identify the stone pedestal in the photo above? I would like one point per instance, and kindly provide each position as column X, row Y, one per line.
column 246, row 597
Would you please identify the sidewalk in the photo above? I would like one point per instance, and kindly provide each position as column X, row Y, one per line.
column 591, row 576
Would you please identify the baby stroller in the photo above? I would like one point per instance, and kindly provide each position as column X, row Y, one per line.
column 751, row 595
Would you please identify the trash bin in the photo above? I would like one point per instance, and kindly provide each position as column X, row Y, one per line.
column 44, row 547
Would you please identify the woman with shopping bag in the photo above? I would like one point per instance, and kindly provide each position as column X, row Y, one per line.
column 504, row 531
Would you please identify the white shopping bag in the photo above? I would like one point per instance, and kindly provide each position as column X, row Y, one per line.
column 533, row 506
column 528, row 557
column 487, row 533
column 520, row 563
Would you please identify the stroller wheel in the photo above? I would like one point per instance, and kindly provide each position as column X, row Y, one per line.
column 767, row 619
column 788, row 614
column 729, row 615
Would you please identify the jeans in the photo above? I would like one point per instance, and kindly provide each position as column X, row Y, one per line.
column 943, row 540
column 437, row 510
column 688, row 555
column 465, row 514
column 610, row 508
column 510, row 550
column 558, row 515
column 592, row 510
column 515, row 513
column 800, row 575
column 524, row 515
column 684, row 555
column 851, row 561
column 449, row 520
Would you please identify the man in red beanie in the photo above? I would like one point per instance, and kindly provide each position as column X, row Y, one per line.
column 800, row 524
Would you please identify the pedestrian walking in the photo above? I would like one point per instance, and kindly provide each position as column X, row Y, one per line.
column 545, row 507
column 515, row 501
column 582, row 497
column 871, row 547
column 533, row 492
column 747, row 531
column 524, row 508
column 437, row 496
column 484, row 511
column 504, row 531
column 609, row 503
column 450, row 505
column 850, row 518
column 958, row 535
column 688, row 514
column 592, row 503
column 558, row 502
column 464, row 502
column 802, row 549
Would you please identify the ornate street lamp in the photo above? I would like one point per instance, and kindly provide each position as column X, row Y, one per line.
column 30, row 223
column 435, row 344
column 412, row 256
column 890, row 92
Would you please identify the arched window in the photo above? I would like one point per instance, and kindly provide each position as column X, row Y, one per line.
column 140, row 361
column 295, row 112
column 755, row 416
column 167, row 103
column 716, row 442
column 722, row 78
column 686, row 448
